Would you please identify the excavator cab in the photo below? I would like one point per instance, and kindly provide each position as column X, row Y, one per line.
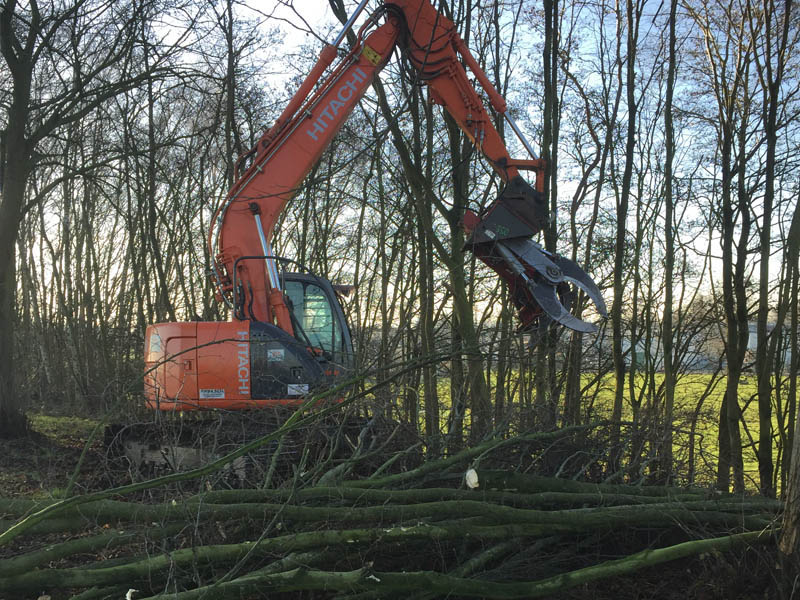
column 318, row 318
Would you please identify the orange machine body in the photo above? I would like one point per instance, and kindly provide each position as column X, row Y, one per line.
column 272, row 352
column 183, row 373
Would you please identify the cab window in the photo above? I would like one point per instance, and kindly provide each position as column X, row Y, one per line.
column 312, row 310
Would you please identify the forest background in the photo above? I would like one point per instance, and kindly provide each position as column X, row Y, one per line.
column 670, row 130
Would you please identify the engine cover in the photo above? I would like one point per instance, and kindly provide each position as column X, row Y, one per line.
column 228, row 365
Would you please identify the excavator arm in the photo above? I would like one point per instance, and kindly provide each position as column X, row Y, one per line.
column 270, row 174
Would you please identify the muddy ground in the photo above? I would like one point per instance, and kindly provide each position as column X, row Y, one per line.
column 41, row 464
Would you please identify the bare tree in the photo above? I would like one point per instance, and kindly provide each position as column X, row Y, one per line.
column 65, row 60
column 764, row 28
column 728, row 55
column 667, row 332
column 631, row 20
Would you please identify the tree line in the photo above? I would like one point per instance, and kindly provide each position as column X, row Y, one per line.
column 670, row 133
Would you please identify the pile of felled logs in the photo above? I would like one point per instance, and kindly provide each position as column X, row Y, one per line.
column 451, row 527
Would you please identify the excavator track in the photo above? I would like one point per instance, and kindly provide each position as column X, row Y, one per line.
column 181, row 442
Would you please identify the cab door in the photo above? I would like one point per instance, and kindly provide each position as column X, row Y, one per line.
column 318, row 318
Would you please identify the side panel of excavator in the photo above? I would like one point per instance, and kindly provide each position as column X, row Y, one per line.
column 170, row 361
column 247, row 364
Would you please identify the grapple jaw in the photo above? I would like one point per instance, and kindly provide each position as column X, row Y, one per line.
column 540, row 282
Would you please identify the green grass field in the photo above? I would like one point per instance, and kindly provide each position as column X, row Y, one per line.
column 698, row 398
column 697, row 403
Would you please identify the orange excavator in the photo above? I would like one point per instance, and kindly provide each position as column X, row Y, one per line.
column 287, row 334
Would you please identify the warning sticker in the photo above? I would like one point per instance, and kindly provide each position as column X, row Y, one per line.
column 297, row 389
column 276, row 355
column 212, row 394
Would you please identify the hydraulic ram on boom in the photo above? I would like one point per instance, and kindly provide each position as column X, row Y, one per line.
column 288, row 332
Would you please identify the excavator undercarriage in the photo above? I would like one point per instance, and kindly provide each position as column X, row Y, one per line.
column 347, row 444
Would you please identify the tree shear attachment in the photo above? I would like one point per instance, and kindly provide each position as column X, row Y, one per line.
column 539, row 280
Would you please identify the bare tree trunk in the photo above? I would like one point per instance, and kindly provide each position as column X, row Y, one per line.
column 771, row 77
column 12, row 420
column 546, row 399
column 632, row 15
column 669, row 258
column 728, row 78
column 475, row 389
column 16, row 166
column 428, row 292
column 790, row 536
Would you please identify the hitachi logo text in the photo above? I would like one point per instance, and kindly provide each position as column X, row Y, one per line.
column 343, row 94
column 243, row 354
